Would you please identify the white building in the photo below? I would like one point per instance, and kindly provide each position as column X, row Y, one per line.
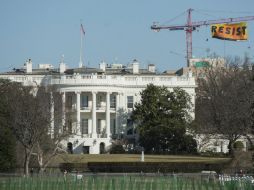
column 100, row 100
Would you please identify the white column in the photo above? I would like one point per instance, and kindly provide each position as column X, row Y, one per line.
column 52, row 123
column 63, row 110
column 78, row 113
column 94, row 133
column 90, row 127
column 117, row 112
column 108, row 114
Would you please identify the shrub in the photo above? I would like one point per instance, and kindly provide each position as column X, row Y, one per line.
column 189, row 145
column 251, row 148
column 238, row 145
column 117, row 149
column 210, row 153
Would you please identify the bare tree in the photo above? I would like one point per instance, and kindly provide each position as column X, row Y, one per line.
column 224, row 100
column 49, row 145
column 30, row 119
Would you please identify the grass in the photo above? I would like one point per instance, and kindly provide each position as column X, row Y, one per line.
column 119, row 183
column 85, row 158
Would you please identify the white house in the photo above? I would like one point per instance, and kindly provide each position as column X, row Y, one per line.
column 100, row 100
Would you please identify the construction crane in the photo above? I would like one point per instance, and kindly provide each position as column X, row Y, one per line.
column 190, row 26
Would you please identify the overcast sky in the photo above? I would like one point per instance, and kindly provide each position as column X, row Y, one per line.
column 116, row 31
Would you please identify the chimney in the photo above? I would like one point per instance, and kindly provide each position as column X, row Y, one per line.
column 28, row 66
column 151, row 68
column 135, row 67
column 190, row 73
column 62, row 67
column 102, row 66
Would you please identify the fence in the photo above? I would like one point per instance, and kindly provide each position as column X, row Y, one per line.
column 124, row 182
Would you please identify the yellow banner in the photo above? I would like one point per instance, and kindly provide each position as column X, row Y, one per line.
column 235, row 32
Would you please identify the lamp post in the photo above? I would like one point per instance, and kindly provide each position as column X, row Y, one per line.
column 142, row 155
column 121, row 137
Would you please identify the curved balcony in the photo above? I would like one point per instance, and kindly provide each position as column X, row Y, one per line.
column 109, row 80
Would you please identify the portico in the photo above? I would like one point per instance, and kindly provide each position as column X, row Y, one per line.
column 94, row 115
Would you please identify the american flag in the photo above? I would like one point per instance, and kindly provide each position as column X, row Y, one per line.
column 82, row 29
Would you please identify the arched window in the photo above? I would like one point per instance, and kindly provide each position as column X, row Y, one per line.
column 102, row 148
column 69, row 148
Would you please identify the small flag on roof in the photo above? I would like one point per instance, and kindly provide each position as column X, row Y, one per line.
column 82, row 29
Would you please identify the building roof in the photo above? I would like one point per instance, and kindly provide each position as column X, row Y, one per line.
column 106, row 69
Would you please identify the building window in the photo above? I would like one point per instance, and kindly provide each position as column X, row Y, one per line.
column 129, row 101
column 84, row 126
column 69, row 101
column 98, row 100
column 84, row 101
column 113, row 126
column 112, row 101
column 99, row 126
column 69, row 124
column 129, row 123
column 129, row 127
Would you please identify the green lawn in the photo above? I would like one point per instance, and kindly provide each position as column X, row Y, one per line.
column 84, row 158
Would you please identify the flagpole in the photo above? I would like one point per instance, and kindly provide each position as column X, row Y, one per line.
column 81, row 48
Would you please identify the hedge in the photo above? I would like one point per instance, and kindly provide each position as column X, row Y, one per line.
column 146, row 167
column 72, row 167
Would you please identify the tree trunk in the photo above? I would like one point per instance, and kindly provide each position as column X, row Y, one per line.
column 250, row 141
column 40, row 162
column 28, row 154
column 40, row 158
column 230, row 147
column 25, row 165
column 44, row 160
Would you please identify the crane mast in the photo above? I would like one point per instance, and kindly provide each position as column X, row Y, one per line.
column 189, row 30
column 190, row 26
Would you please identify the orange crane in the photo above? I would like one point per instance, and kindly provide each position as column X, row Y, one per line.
column 190, row 26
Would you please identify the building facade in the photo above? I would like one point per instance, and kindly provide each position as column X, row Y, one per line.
column 96, row 103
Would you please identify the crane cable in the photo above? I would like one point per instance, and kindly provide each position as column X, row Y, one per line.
column 221, row 11
column 174, row 18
